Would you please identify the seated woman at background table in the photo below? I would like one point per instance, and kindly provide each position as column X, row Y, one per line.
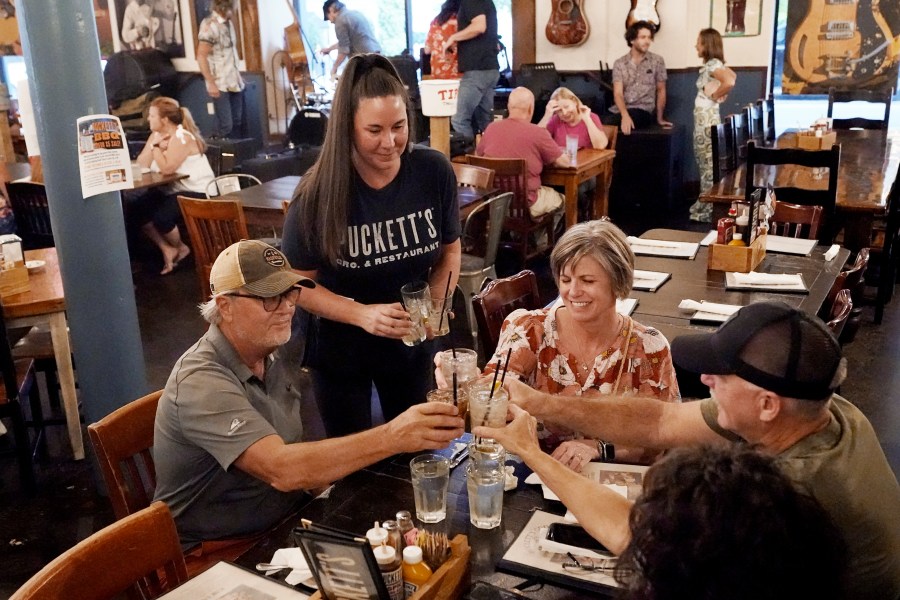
column 582, row 346
column 175, row 145
column 566, row 115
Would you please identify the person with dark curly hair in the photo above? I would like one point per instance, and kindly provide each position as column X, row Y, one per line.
column 772, row 371
column 725, row 522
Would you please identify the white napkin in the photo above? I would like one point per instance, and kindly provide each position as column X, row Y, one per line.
column 635, row 241
column 710, row 238
column 832, row 252
column 293, row 557
column 709, row 307
column 766, row 279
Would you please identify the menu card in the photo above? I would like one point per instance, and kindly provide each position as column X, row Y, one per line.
column 789, row 245
column 224, row 581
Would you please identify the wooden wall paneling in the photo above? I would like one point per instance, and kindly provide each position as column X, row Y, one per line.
column 523, row 16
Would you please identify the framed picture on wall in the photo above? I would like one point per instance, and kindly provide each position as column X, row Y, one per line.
column 142, row 24
column 734, row 18
column 203, row 8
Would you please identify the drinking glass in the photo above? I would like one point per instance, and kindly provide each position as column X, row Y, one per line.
column 464, row 364
column 430, row 478
column 488, row 410
column 484, row 484
column 445, row 396
column 417, row 302
column 572, row 148
column 440, row 314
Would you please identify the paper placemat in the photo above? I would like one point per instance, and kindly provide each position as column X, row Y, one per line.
column 766, row 282
column 648, row 247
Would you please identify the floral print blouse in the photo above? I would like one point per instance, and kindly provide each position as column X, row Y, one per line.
column 640, row 353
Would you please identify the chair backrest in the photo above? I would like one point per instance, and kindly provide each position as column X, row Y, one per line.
column 840, row 312
column 213, row 225
column 122, row 441
column 499, row 208
column 754, row 117
column 741, row 130
column 795, row 220
column 612, row 134
column 850, row 279
column 510, row 175
column 499, row 298
column 28, row 201
column 811, row 159
column 724, row 160
column 228, row 184
column 542, row 79
column 769, row 105
column 869, row 96
column 472, row 176
column 126, row 557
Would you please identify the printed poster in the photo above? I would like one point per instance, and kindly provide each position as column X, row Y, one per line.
column 103, row 158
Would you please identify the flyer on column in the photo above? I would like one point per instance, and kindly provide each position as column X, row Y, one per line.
column 103, row 158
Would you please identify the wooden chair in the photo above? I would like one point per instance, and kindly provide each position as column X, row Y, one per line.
column 228, row 184
column 741, row 130
column 28, row 201
column 885, row 250
column 754, row 117
column 511, row 175
column 472, row 176
column 784, row 158
column 612, row 135
column 18, row 382
column 868, row 96
column 502, row 296
column 724, row 159
column 127, row 557
column 122, row 441
column 213, row 225
column 476, row 269
column 840, row 312
column 769, row 111
column 795, row 220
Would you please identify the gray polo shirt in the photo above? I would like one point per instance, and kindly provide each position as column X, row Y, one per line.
column 213, row 408
column 354, row 33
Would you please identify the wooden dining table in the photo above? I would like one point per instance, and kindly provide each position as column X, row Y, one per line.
column 154, row 179
column 869, row 162
column 45, row 304
column 589, row 163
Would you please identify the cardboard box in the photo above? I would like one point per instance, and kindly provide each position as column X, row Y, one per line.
column 14, row 281
column 737, row 259
column 807, row 141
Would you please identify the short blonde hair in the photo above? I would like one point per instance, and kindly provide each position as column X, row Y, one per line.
column 564, row 93
column 605, row 243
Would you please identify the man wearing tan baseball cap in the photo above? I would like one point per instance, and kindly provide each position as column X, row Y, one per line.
column 230, row 460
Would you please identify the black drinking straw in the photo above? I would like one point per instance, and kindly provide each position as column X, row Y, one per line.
column 455, row 403
column 494, row 382
column 444, row 307
column 506, row 366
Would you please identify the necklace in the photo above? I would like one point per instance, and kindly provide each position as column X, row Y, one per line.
column 585, row 366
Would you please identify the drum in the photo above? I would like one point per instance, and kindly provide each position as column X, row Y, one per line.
column 308, row 127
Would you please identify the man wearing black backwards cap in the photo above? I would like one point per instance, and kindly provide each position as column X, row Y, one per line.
column 227, row 443
column 772, row 371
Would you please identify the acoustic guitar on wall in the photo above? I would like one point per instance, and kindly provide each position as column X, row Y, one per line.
column 567, row 25
column 643, row 10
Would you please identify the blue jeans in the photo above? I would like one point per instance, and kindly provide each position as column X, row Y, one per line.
column 475, row 102
column 230, row 114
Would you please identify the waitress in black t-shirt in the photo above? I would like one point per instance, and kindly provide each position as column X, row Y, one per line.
column 371, row 215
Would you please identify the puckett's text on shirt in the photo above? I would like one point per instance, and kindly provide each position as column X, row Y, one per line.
column 393, row 239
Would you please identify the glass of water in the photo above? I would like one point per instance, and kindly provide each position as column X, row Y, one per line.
column 417, row 302
column 430, row 478
column 484, row 484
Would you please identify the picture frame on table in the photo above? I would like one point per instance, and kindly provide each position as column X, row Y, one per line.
column 736, row 18
column 149, row 24
column 203, row 8
column 343, row 564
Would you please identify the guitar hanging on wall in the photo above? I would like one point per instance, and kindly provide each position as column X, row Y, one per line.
column 567, row 25
column 643, row 10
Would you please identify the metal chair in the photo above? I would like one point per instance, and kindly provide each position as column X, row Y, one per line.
column 795, row 220
column 511, row 175
column 139, row 555
column 472, row 176
column 228, row 184
column 476, row 269
column 122, row 442
column 28, row 201
column 793, row 158
column 213, row 225
column 724, row 160
column 499, row 298
column 868, row 96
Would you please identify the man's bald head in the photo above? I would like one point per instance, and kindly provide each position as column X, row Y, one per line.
column 521, row 104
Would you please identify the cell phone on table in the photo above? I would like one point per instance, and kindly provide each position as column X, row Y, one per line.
column 574, row 535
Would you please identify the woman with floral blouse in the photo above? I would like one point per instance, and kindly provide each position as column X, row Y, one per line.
column 581, row 346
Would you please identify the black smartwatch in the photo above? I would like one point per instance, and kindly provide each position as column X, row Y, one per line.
column 607, row 451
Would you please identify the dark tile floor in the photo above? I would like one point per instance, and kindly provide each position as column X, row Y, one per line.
column 69, row 507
